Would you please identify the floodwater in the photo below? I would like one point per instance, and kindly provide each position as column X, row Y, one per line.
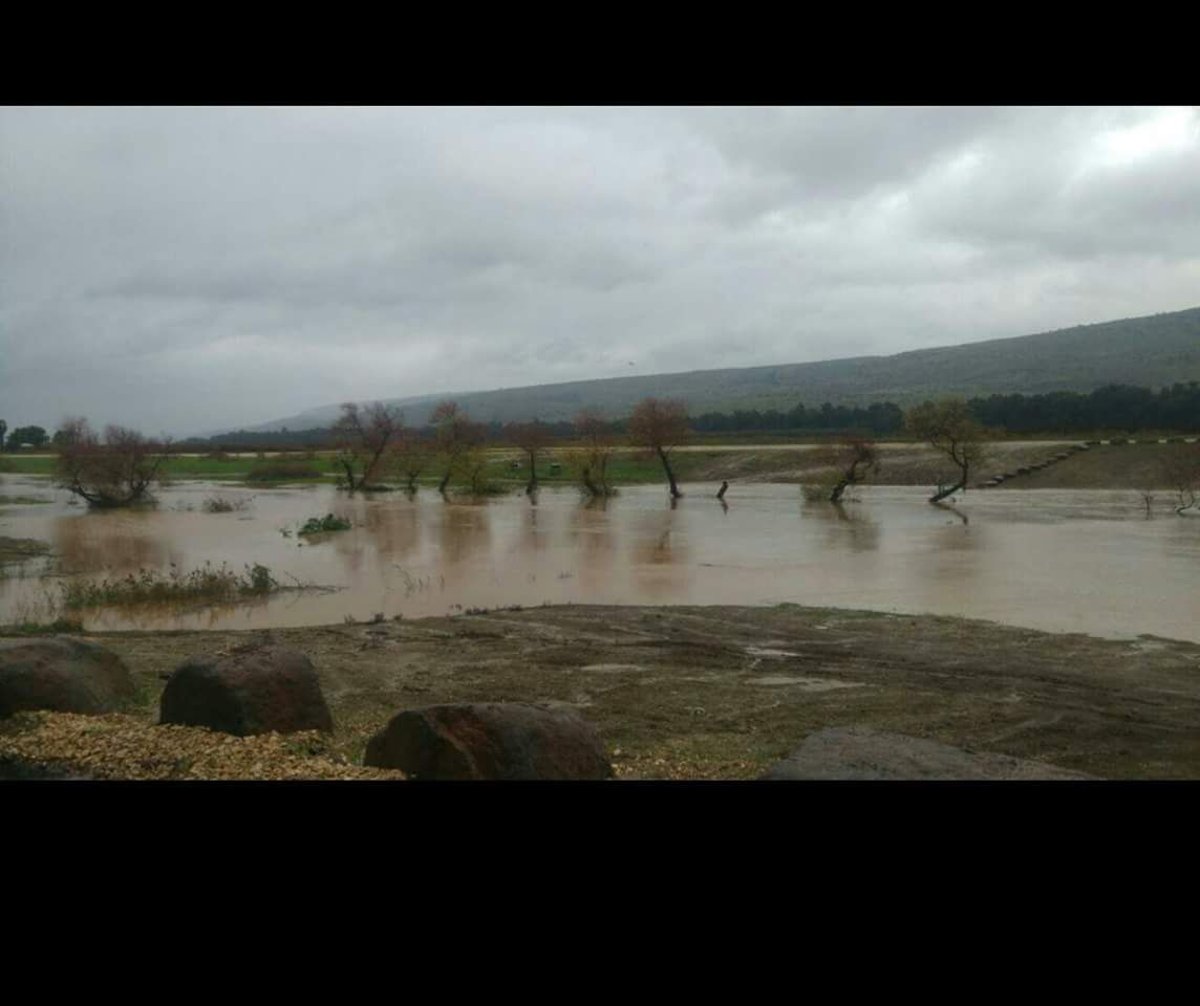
column 1082, row 561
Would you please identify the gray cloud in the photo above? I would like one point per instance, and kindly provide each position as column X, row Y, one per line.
column 185, row 269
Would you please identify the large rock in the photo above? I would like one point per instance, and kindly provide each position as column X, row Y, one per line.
column 490, row 741
column 863, row 753
column 253, row 690
column 61, row 674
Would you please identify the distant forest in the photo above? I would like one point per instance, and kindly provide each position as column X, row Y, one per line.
column 1116, row 407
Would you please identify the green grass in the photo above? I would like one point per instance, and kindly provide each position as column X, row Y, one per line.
column 286, row 470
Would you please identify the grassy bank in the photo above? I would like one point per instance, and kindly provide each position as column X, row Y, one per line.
column 1127, row 466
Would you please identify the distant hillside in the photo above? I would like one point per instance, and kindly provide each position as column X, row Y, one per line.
column 1154, row 351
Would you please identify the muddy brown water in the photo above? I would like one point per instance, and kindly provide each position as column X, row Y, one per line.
column 1082, row 561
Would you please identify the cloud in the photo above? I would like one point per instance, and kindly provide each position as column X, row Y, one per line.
column 184, row 269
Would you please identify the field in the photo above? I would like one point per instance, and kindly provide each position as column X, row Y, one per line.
column 1128, row 466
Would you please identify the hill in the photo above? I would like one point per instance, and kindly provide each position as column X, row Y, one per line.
column 1152, row 351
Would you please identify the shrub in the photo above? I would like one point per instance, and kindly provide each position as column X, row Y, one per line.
column 319, row 525
column 220, row 584
column 114, row 471
column 220, row 504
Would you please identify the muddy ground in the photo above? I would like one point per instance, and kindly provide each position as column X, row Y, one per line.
column 724, row 692
column 1130, row 466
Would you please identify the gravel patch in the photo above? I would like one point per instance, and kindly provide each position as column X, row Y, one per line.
column 118, row 746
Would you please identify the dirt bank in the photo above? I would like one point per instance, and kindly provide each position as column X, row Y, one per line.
column 723, row 692
column 1108, row 466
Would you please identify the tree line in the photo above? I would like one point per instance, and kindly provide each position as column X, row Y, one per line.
column 1119, row 407
column 376, row 451
column 1114, row 407
column 1122, row 408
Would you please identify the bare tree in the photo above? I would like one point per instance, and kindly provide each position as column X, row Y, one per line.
column 1181, row 471
column 363, row 438
column 412, row 455
column 592, row 456
column 115, row 471
column 948, row 427
column 659, row 425
column 532, row 438
column 854, row 459
column 458, row 439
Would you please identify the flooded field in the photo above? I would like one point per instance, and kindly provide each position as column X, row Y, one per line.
column 1061, row 560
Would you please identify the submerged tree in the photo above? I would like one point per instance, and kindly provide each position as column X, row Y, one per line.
column 532, row 438
column 659, row 425
column 363, row 438
column 458, row 440
column 1181, row 471
column 949, row 428
column 592, row 456
column 115, row 471
column 853, row 459
column 412, row 455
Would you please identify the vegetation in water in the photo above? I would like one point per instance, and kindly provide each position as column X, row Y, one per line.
column 222, row 504
column 319, row 525
column 14, row 550
column 208, row 583
column 113, row 470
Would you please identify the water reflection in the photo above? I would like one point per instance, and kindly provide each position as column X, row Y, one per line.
column 1081, row 561
column 589, row 536
column 116, row 544
column 951, row 508
column 394, row 531
column 461, row 530
column 846, row 526
column 660, row 553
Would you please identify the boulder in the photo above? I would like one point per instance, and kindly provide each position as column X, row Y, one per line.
column 864, row 753
column 254, row 689
column 61, row 674
column 490, row 741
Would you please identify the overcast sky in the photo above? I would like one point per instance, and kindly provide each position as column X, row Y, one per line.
column 186, row 269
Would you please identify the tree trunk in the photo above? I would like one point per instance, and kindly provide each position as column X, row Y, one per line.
column 532, row 487
column 349, row 475
column 586, row 476
column 445, row 482
column 836, row 495
column 941, row 494
column 675, row 493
